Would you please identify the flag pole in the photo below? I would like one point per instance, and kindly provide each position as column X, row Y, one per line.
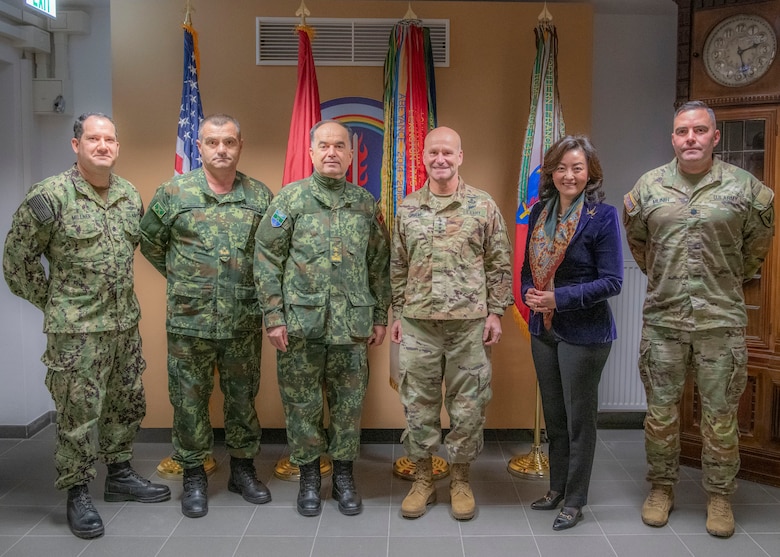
column 535, row 464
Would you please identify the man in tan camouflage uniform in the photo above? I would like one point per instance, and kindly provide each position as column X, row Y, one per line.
column 451, row 277
column 85, row 223
column 199, row 232
column 321, row 269
column 698, row 228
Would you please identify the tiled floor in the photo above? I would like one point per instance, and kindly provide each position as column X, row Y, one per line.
column 33, row 524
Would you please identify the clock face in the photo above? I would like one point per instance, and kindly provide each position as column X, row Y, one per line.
column 739, row 50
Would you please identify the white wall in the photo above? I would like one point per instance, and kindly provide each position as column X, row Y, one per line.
column 33, row 148
column 634, row 79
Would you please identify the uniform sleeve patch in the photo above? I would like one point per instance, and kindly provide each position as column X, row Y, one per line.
column 768, row 217
column 629, row 202
column 278, row 218
column 158, row 209
column 40, row 208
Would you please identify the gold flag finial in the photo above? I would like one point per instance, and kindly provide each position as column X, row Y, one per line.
column 545, row 16
column 410, row 13
column 302, row 11
column 188, row 9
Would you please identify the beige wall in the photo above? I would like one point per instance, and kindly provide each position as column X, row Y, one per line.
column 484, row 94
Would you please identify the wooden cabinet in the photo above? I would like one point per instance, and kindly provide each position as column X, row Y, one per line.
column 748, row 117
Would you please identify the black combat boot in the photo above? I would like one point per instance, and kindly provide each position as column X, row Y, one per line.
column 309, row 502
column 243, row 480
column 83, row 518
column 194, row 499
column 125, row 484
column 344, row 490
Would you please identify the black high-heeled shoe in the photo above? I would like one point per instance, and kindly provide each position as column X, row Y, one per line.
column 549, row 502
column 567, row 518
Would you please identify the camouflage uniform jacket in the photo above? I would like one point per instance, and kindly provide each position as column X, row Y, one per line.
column 204, row 244
column 322, row 268
column 89, row 245
column 698, row 247
column 451, row 258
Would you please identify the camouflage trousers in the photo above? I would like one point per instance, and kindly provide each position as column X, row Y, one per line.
column 191, row 365
column 452, row 351
column 303, row 372
column 95, row 381
column 717, row 358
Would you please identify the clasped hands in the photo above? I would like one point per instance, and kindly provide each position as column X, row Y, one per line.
column 540, row 301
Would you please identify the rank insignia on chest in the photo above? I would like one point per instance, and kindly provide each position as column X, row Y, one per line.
column 278, row 218
column 158, row 209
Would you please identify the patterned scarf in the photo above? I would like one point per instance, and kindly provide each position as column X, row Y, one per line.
column 549, row 241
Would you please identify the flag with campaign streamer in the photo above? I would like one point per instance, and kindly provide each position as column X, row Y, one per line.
column 306, row 111
column 409, row 112
column 545, row 126
column 191, row 110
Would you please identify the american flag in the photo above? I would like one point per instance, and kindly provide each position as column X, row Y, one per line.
column 191, row 111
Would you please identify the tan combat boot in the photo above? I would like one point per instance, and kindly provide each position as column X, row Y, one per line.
column 720, row 519
column 658, row 505
column 422, row 493
column 461, row 497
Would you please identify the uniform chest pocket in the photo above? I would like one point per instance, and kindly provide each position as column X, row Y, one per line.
column 470, row 241
column 305, row 314
column 82, row 237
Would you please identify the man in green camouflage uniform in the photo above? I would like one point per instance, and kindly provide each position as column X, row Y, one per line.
column 199, row 232
column 698, row 228
column 321, row 269
column 451, row 277
column 85, row 223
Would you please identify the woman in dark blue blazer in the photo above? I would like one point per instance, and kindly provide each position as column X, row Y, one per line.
column 573, row 263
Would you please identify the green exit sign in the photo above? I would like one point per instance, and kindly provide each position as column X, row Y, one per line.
column 49, row 7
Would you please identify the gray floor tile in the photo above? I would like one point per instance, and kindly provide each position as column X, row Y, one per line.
column 503, row 546
column 350, row 547
column 200, row 546
column 769, row 542
column 124, row 546
column 649, row 545
column 372, row 522
column 497, row 521
column 579, row 545
column 38, row 546
column 252, row 546
column 33, row 521
column 738, row 544
column 618, row 520
column 220, row 521
column 431, row 546
column 759, row 519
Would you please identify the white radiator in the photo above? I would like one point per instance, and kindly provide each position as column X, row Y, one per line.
column 621, row 389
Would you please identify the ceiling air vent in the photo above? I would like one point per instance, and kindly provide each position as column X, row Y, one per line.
column 340, row 41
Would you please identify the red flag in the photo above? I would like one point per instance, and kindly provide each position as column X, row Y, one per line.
column 306, row 112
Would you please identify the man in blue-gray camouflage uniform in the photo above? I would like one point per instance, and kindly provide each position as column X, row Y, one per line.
column 84, row 222
column 698, row 228
column 321, row 269
column 199, row 232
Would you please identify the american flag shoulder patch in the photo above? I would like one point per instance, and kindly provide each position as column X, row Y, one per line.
column 40, row 208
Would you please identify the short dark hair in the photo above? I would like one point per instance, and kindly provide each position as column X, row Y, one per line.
column 218, row 119
column 78, row 125
column 321, row 123
column 696, row 105
column 553, row 156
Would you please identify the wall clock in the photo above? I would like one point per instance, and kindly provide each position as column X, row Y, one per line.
column 739, row 50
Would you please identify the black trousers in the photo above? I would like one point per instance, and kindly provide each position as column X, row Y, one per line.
column 569, row 376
